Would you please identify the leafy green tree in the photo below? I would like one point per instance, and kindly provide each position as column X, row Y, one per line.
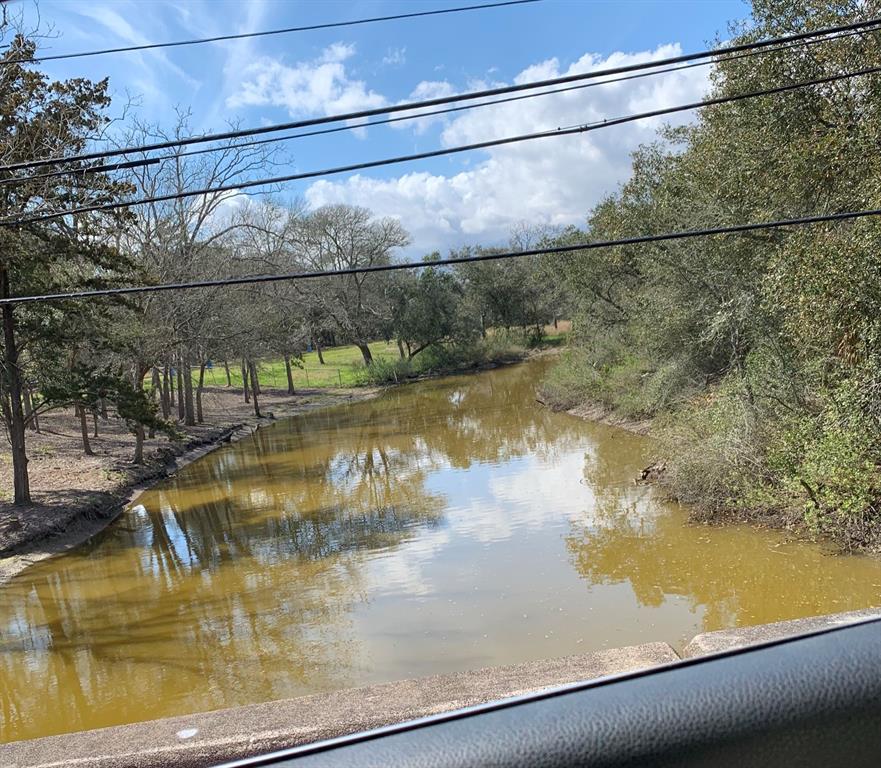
column 344, row 237
column 86, row 388
column 430, row 310
column 42, row 119
column 763, row 346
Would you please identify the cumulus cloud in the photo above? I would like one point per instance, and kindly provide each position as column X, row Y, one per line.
column 395, row 57
column 426, row 90
column 319, row 86
column 551, row 181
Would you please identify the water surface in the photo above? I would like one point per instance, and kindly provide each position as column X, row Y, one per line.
column 448, row 525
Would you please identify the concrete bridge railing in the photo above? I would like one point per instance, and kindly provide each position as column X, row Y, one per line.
column 205, row 739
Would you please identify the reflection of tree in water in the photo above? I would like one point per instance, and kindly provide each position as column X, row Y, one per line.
column 234, row 582
column 141, row 634
column 736, row 575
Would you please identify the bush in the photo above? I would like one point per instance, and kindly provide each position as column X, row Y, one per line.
column 439, row 359
column 714, row 446
column 573, row 380
column 382, row 371
column 626, row 384
column 819, row 464
column 830, row 460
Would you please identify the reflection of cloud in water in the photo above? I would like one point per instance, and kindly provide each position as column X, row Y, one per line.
column 443, row 526
column 487, row 504
column 402, row 569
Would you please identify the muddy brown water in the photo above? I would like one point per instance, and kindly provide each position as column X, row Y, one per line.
column 447, row 525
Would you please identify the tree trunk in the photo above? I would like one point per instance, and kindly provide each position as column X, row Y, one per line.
column 164, row 401
column 318, row 350
column 365, row 353
column 35, row 418
column 189, row 409
column 290, row 373
column 84, row 430
column 401, row 349
column 255, row 381
column 156, row 383
column 138, row 458
column 21, row 484
column 411, row 353
column 28, row 407
column 253, row 369
column 168, row 388
column 228, row 377
column 245, row 385
column 181, row 413
column 95, row 421
column 199, row 393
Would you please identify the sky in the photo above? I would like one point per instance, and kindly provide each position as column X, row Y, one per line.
column 477, row 197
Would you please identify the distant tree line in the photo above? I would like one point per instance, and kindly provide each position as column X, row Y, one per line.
column 143, row 358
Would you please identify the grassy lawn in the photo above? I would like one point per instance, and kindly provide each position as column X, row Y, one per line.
column 340, row 368
column 341, row 364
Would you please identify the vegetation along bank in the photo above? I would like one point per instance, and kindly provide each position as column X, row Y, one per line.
column 756, row 356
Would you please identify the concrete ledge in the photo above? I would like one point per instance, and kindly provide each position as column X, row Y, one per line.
column 726, row 639
column 194, row 741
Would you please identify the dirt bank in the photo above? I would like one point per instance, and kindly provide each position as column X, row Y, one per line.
column 604, row 415
column 76, row 496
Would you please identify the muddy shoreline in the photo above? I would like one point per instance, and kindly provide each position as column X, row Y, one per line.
column 92, row 512
column 604, row 415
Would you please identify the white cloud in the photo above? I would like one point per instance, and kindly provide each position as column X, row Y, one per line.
column 395, row 57
column 116, row 24
column 424, row 91
column 319, row 86
column 550, row 181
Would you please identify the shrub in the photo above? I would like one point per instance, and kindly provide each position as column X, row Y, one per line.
column 382, row 371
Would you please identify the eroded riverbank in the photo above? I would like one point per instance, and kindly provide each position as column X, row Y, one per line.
column 451, row 525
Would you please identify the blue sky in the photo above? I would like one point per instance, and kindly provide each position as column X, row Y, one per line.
column 469, row 198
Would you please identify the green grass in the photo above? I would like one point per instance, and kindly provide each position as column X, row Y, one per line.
column 342, row 366
column 556, row 339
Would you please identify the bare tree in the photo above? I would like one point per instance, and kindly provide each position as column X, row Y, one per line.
column 184, row 239
column 339, row 237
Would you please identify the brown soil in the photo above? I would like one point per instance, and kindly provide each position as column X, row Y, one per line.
column 597, row 412
column 75, row 496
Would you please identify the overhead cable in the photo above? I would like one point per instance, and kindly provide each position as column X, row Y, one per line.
column 107, row 167
column 264, row 33
column 407, row 106
column 560, row 249
column 251, row 183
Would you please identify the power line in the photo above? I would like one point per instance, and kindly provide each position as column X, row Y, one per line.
column 266, row 33
column 325, row 131
column 236, row 187
column 560, row 249
column 408, row 106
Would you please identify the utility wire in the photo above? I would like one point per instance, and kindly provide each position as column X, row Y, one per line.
column 266, row 33
column 408, row 106
column 238, row 186
column 560, row 249
column 324, row 131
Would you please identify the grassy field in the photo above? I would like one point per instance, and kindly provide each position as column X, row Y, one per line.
column 341, row 368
